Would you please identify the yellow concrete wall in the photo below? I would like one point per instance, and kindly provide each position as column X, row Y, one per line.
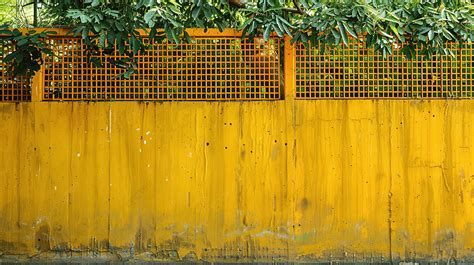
column 304, row 180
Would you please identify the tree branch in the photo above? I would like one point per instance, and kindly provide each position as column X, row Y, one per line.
column 237, row 3
column 298, row 7
column 292, row 10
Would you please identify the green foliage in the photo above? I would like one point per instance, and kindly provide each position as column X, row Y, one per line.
column 105, row 24
column 7, row 7
column 112, row 25
column 382, row 24
column 26, row 57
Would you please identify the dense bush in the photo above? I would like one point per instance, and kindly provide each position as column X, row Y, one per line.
column 381, row 24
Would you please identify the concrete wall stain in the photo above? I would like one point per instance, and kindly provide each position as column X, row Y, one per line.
column 42, row 238
column 368, row 181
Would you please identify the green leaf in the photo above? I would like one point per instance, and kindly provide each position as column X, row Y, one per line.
column 97, row 27
column 121, row 47
column 266, row 33
column 102, row 39
column 187, row 37
column 430, row 35
column 135, row 45
column 277, row 30
column 196, row 12
column 350, row 30
column 175, row 37
column 395, row 31
column 149, row 18
column 95, row 3
column 119, row 25
column 342, row 30
column 84, row 18
column 10, row 57
column 22, row 41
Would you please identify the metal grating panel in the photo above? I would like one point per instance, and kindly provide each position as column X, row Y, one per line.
column 208, row 68
column 357, row 72
column 12, row 89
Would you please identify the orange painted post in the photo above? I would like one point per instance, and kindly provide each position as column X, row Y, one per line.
column 290, row 69
column 37, row 87
column 292, row 181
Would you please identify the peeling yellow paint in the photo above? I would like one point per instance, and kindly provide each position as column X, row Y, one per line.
column 282, row 180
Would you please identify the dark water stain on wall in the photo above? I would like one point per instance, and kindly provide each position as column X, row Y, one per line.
column 42, row 238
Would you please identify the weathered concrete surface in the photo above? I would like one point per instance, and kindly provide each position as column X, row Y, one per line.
column 369, row 181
